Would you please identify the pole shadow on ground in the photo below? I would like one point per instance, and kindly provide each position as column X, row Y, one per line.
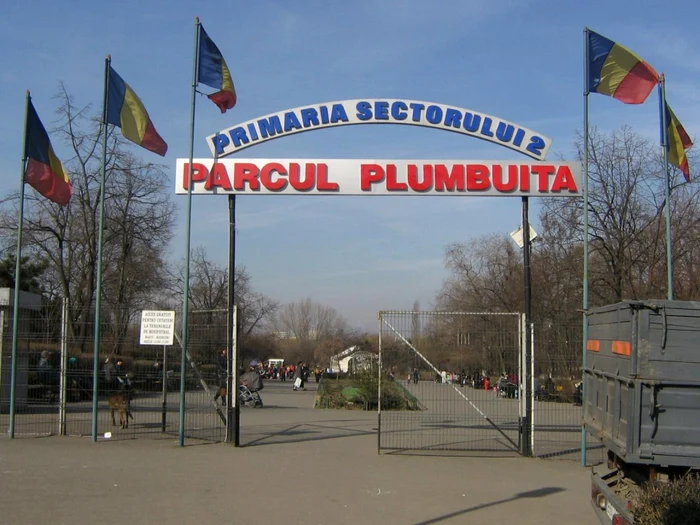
column 537, row 493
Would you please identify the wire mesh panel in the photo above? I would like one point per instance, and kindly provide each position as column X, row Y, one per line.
column 154, row 375
column 55, row 374
column 205, row 417
column 557, row 410
column 37, row 380
column 452, row 381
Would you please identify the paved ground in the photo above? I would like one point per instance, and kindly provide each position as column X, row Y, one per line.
column 299, row 465
column 474, row 418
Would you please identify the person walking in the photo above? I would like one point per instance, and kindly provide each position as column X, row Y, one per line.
column 123, row 379
column 48, row 375
column 299, row 377
column 222, row 368
column 110, row 372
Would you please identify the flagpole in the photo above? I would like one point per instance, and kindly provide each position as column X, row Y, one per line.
column 186, row 283
column 98, row 292
column 18, row 256
column 585, row 229
column 667, row 184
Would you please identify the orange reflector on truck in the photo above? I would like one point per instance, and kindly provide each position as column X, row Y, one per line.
column 621, row 347
column 593, row 345
column 619, row 520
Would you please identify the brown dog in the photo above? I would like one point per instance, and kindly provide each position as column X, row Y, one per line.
column 121, row 402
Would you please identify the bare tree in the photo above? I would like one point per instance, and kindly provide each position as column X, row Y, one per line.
column 137, row 232
column 627, row 249
column 208, row 294
column 557, row 297
column 208, row 282
column 485, row 276
column 138, row 224
column 627, row 258
column 308, row 324
column 626, row 213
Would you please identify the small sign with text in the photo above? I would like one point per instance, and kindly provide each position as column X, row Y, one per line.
column 157, row 327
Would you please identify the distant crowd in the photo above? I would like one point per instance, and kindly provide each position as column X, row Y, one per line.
column 299, row 373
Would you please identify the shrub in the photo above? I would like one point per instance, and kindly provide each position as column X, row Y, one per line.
column 674, row 502
column 330, row 394
column 360, row 391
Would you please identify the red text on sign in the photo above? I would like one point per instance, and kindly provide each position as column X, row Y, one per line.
column 546, row 178
column 273, row 176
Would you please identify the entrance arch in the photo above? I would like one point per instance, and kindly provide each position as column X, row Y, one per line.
column 222, row 176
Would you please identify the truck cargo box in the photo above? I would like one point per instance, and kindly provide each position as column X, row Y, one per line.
column 642, row 381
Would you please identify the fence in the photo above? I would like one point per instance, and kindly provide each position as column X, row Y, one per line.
column 452, row 383
column 54, row 382
column 557, row 409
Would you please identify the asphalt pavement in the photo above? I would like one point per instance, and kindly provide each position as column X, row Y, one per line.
column 298, row 465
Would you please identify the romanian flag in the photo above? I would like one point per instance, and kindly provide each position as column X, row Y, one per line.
column 677, row 142
column 44, row 172
column 214, row 72
column 125, row 110
column 615, row 71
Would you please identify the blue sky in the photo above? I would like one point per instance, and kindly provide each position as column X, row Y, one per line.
column 520, row 60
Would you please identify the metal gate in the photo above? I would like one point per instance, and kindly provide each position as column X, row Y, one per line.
column 449, row 381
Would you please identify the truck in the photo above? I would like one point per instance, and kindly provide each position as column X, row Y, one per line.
column 641, row 398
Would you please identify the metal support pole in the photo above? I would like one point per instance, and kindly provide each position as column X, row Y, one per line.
column 64, row 369
column 232, row 414
column 521, row 375
column 379, row 389
column 164, row 371
column 667, row 190
column 100, row 242
column 188, row 239
column 18, row 266
column 236, row 380
column 585, row 235
column 527, row 418
column 531, row 399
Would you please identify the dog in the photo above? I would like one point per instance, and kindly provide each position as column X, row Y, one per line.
column 121, row 402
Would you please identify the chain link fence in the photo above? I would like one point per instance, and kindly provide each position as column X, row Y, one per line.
column 54, row 378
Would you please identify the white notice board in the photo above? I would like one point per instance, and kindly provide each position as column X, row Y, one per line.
column 157, row 327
